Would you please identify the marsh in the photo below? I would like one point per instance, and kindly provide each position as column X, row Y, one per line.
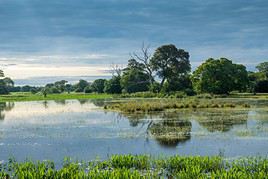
column 82, row 129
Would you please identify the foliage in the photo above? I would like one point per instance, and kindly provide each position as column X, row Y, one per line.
column 98, row 85
column 155, row 87
column 113, row 86
column 88, row 89
column 263, row 68
column 262, row 86
column 134, row 79
column 219, row 76
column 80, row 86
column 170, row 62
column 5, row 84
column 141, row 166
column 177, row 84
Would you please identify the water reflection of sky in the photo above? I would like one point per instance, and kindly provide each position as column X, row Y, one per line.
column 81, row 129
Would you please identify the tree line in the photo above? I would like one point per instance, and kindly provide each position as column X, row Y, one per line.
column 167, row 70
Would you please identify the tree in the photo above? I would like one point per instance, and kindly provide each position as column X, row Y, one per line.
column 3, row 87
column 240, row 76
column 262, row 86
column 2, row 73
column 263, row 68
column 44, row 91
column 60, row 85
column 177, row 83
column 9, row 82
column 98, row 85
column 219, row 76
column 144, row 60
column 88, row 89
column 5, row 84
column 113, row 85
column 80, row 86
column 68, row 88
column 168, row 62
column 134, row 79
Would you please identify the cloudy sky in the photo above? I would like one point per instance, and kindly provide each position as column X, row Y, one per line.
column 45, row 40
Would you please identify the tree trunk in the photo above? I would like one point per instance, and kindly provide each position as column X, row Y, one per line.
column 162, row 83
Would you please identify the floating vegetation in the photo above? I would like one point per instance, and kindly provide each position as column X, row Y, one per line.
column 171, row 132
column 245, row 133
column 221, row 120
column 140, row 166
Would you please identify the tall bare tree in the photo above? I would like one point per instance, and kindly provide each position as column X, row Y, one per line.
column 116, row 69
column 144, row 58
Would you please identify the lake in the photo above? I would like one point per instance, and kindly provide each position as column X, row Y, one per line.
column 82, row 130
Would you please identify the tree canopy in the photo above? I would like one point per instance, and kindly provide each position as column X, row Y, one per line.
column 134, row 79
column 219, row 76
column 168, row 62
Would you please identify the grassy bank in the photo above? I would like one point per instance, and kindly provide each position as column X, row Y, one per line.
column 62, row 96
column 142, row 166
column 132, row 106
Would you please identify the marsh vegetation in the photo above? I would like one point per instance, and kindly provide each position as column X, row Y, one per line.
column 140, row 166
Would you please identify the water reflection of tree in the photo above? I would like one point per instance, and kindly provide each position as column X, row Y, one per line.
column 60, row 101
column 98, row 102
column 167, row 128
column 221, row 121
column 5, row 106
column 170, row 132
column 45, row 104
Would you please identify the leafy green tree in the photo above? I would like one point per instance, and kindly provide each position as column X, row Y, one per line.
column 98, row 85
column 170, row 62
column 261, row 86
column 144, row 59
column 5, row 84
column 88, row 89
column 60, row 85
column 177, row 83
column 219, row 76
column 3, row 87
column 263, row 69
column 45, row 91
column 9, row 82
column 134, row 79
column 113, row 86
column 240, row 77
column 80, row 86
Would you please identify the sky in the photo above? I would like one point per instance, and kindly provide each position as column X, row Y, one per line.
column 42, row 41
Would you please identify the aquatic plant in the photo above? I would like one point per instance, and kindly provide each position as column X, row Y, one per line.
column 140, row 166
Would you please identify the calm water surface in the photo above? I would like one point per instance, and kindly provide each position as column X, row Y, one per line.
column 83, row 130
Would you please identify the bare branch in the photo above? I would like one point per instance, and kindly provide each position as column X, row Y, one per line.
column 116, row 69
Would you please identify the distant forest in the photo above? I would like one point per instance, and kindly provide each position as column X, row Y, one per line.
column 166, row 71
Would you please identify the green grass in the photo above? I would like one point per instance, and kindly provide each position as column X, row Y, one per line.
column 62, row 96
column 140, row 166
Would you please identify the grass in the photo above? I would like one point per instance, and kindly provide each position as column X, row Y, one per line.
column 134, row 106
column 62, row 96
column 140, row 166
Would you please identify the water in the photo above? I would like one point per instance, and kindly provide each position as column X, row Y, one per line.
column 82, row 130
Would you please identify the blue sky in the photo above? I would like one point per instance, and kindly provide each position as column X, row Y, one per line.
column 57, row 37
